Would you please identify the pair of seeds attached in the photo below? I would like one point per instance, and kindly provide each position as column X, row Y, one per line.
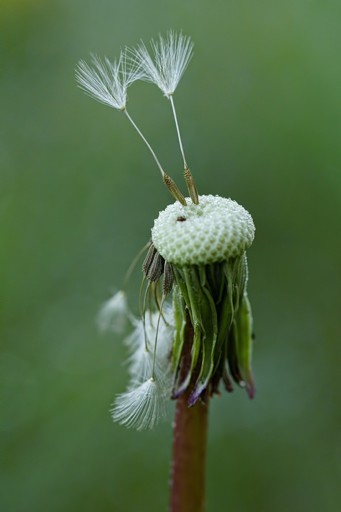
column 108, row 83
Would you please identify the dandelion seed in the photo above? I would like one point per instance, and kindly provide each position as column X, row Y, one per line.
column 171, row 57
column 141, row 407
column 113, row 314
column 107, row 81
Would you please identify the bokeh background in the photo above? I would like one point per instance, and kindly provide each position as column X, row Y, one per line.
column 260, row 114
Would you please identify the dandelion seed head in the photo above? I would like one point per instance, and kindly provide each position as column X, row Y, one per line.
column 171, row 58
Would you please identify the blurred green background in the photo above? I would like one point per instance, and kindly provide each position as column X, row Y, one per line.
column 260, row 113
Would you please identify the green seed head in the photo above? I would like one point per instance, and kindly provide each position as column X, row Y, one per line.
column 212, row 231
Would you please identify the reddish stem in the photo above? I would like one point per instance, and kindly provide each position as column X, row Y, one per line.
column 189, row 451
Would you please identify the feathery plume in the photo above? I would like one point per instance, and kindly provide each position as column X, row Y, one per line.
column 171, row 57
column 108, row 81
column 141, row 343
column 141, row 407
column 113, row 314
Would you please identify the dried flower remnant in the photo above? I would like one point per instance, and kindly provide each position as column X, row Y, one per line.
column 194, row 272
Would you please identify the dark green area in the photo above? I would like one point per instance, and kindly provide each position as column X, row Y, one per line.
column 260, row 110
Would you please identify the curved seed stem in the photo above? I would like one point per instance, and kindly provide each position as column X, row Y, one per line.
column 145, row 141
column 170, row 184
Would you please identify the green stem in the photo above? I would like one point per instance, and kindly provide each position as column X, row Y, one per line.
column 189, row 450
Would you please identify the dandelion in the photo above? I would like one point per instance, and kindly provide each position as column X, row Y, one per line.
column 195, row 334
column 197, row 253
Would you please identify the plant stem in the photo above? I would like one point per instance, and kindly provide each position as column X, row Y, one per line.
column 189, row 450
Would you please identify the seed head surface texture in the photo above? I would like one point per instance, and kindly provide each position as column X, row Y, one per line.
column 213, row 231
